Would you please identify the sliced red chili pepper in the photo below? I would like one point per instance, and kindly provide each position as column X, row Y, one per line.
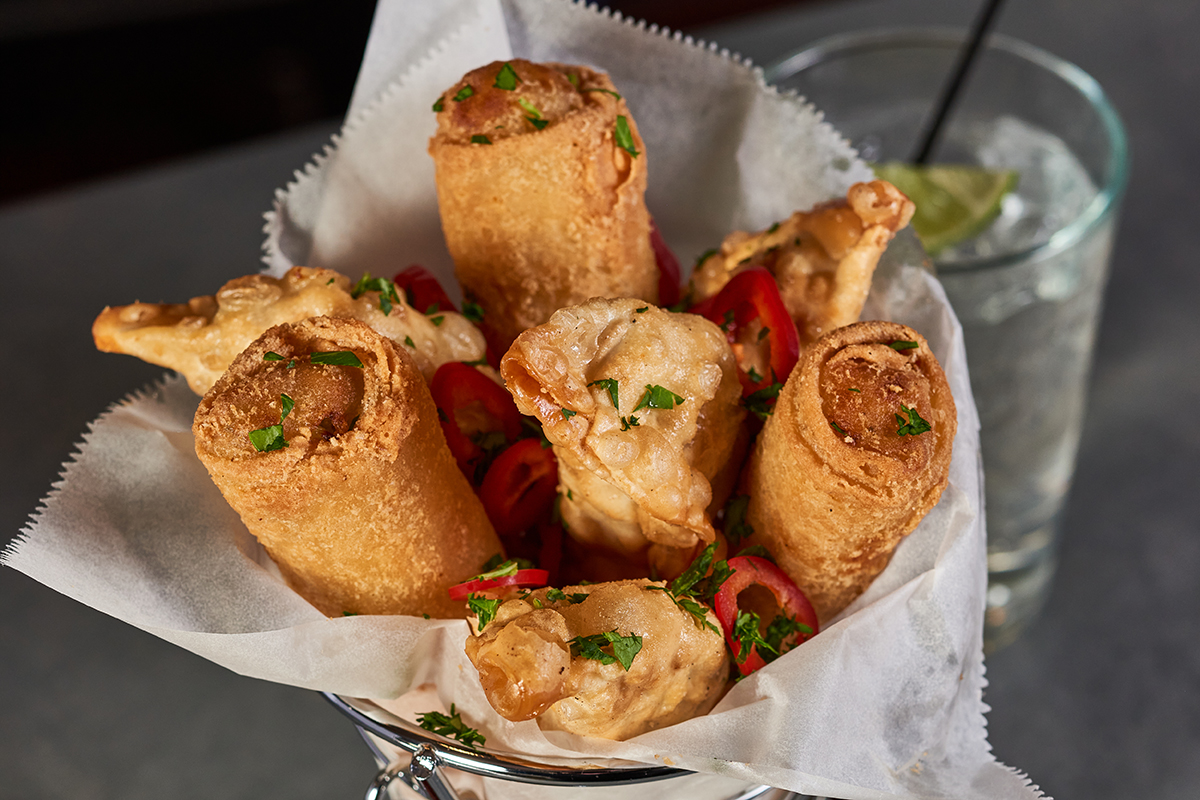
column 423, row 291
column 751, row 295
column 521, row 578
column 669, row 289
column 470, row 406
column 520, row 486
column 793, row 605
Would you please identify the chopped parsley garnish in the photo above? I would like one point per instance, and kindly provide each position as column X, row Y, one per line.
column 387, row 291
column 609, row 385
column 479, row 138
column 451, row 726
column 761, row 403
column 781, row 628
column 707, row 254
column 625, row 136
column 484, row 608
column 747, row 634
column 758, row 551
column 631, row 422
column 479, row 362
column 568, row 413
column 697, row 584
column 271, row 437
column 604, row 91
column 754, row 374
column 764, row 333
column 463, row 94
column 437, row 321
column 506, row 78
column 534, row 430
column 433, row 308
column 841, row 431
column 641, row 310
column 656, row 396
column 914, row 426
column 271, row 355
column 499, row 568
column 438, row 105
column 472, row 311
column 728, row 323
column 349, row 613
column 903, row 345
column 559, row 594
column 856, row 391
column 773, row 228
column 736, row 526
column 336, row 358
column 534, row 116
column 573, row 79
column 624, row 648
column 408, row 341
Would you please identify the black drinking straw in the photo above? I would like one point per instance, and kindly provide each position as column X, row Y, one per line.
column 950, row 90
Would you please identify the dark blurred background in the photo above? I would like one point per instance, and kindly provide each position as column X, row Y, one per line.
column 93, row 87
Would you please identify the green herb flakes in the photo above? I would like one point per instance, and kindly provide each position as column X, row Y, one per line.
column 631, row 422
column 641, row 310
column 914, row 426
column 754, row 375
column 506, row 78
column 271, row 355
column 387, row 291
column 656, row 396
column 472, row 311
column 625, row 136
column 706, row 255
column 463, row 94
column 268, row 439
column 764, row 333
column 901, row 346
column 408, row 341
column 438, row 105
column 573, row 79
column 479, row 138
column 451, row 726
column 559, row 595
column 609, row 385
column 568, row 413
column 336, row 358
column 624, row 648
column 603, row 91
column 736, row 526
column 484, row 608
column 762, row 403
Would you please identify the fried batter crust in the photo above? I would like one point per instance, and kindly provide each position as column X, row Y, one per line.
column 823, row 259
column 200, row 338
column 541, row 219
column 631, row 478
column 527, row 671
column 365, row 510
column 833, row 485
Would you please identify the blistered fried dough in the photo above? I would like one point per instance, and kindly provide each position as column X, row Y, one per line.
column 200, row 338
column 844, row 468
column 528, row 671
column 364, row 509
column 822, row 259
column 631, row 474
column 541, row 206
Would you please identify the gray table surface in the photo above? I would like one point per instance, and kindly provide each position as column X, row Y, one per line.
column 1100, row 699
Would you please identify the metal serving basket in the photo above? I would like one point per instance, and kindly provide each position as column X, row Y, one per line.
column 430, row 753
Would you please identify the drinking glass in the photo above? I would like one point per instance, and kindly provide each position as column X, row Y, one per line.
column 1028, row 289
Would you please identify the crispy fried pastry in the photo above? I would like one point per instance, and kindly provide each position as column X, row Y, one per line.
column 856, row 453
column 636, row 466
column 529, row 669
column 361, row 505
column 540, row 188
column 823, row 259
column 200, row 338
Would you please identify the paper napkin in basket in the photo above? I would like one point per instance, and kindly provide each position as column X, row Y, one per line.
column 885, row 702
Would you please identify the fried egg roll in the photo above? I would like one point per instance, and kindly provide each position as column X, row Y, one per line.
column 541, row 177
column 200, row 338
column 532, row 665
column 822, row 259
column 855, row 454
column 643, row 409
column 337, row 465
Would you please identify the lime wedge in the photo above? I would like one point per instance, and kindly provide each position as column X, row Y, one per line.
column 954, row 202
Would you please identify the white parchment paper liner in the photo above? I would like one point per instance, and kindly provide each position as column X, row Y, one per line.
column 886, row 702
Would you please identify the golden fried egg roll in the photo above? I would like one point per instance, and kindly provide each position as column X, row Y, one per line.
column 338, row 466
column 855, row 454
column 541, row 177
column 200, row 338
column 822, row 259
column 534, row 662
column 643, row 409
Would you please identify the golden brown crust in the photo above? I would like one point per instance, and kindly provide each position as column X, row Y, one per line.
column 631, row 478
column 366, row 515
column 823, row 259
column 527, row 670
column 201, row 338
column 833, row 485
column 542, row 219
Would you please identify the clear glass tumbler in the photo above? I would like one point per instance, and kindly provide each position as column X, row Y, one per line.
column 1028, row 289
